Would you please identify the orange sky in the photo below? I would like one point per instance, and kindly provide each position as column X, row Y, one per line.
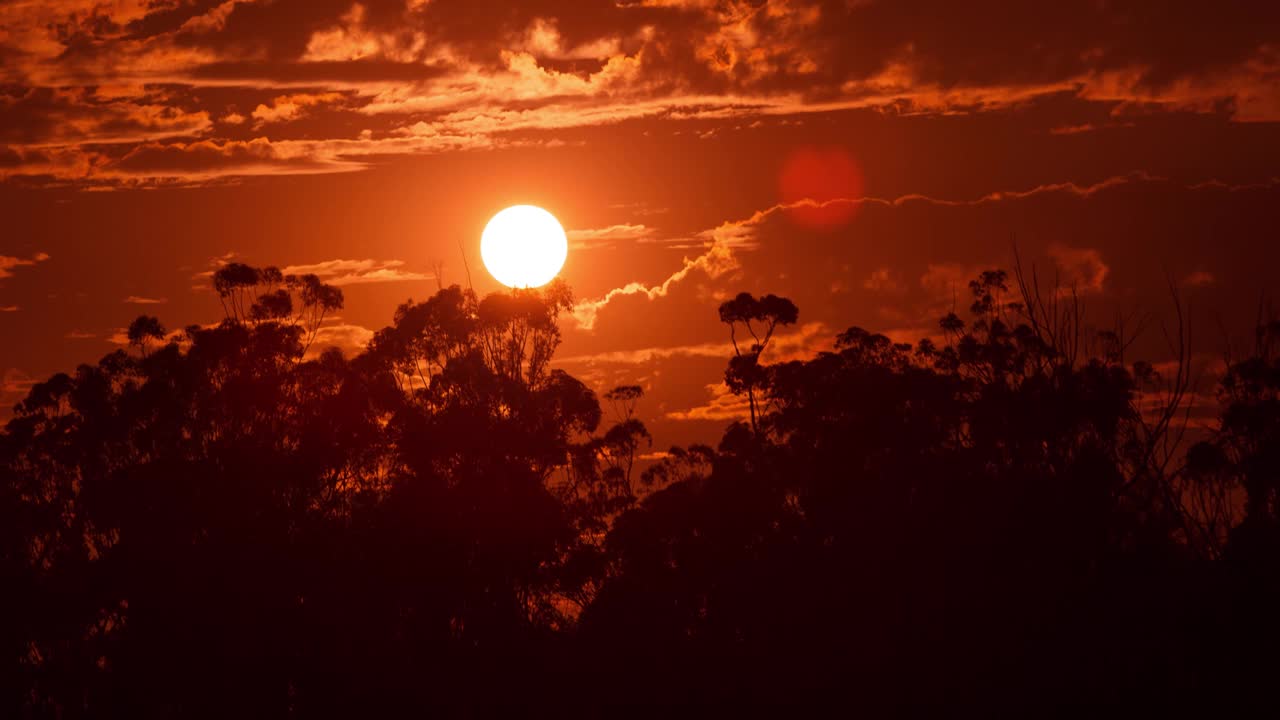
column 682, row 143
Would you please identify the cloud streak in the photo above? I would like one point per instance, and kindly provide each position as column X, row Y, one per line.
column 358, row 272
column 718, row 260
column 722, row 406
column 1082, row 266
column 9, row 263
column 785, row 346
column 592, row 238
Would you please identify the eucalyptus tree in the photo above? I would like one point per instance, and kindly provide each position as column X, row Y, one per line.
column 759, row 317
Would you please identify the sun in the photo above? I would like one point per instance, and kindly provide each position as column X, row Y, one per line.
column 523, row 246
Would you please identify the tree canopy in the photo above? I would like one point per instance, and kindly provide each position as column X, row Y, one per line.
column 224, row 521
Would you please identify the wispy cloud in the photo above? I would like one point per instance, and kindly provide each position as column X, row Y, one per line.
column 204, row 278
column 800, row 343
column 347, row 337
column 883, row 279
column 8, row 263
column 723, row 405
column 716, row 261
column 1082, row 268
column 948, row 282
column 606, row 236
column 335, row 272
column 138, row 300
column 358, row 272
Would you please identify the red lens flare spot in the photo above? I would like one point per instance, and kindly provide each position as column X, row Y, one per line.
column 822, row 186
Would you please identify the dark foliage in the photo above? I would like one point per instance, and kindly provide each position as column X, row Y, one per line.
column 221, row 523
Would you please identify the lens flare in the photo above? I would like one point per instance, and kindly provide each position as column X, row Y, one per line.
column 822, row 186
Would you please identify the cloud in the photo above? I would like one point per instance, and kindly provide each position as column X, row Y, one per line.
column 349, row 338
column 785, row 346
column 81, row 75
column 193, row 163
column 1082, row 269
column 120, row 336
column 730, row 237
column 1088, row 127
column 8, row 263
column 352, row 39
column 645, row 355
column 337, row 272
column 49, row 117
column 9, row 308
column 606, row 236
column 715, row 262
column 213, row 20
column 905, row 261
column 79, row 335
column 725, row 246
column 208, row 159
column 290, row 107
column 722, row 406
column 1073, row 129
column 543, row 39
column 204, row 278
column 948, row 281
column 357, row 272
column 137, row 300
column 882, row 279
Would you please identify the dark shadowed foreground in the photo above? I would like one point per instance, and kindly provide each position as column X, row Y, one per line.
column 216, row 524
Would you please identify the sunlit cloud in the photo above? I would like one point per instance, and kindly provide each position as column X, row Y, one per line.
column 338, row 272
column 348, row 338
column 8, row 263
column 290, row 107
column 543, row 39
column 785, row 346
column 138, row 300
column 131, row 72
column 358, row 272
column 715, row 262
column 352, row 39
column 1081, row 269
column 723, row 405
column 213, row 20
column 591, row 238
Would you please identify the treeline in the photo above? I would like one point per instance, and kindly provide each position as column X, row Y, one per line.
column 214, row 523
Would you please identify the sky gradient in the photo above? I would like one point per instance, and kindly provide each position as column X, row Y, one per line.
column 862, row 157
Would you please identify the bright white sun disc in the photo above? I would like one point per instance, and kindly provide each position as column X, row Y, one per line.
column 523, row 246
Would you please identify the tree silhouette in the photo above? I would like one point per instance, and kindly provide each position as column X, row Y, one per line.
column 759, row 317
column 227, row 523
column 143, row 330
